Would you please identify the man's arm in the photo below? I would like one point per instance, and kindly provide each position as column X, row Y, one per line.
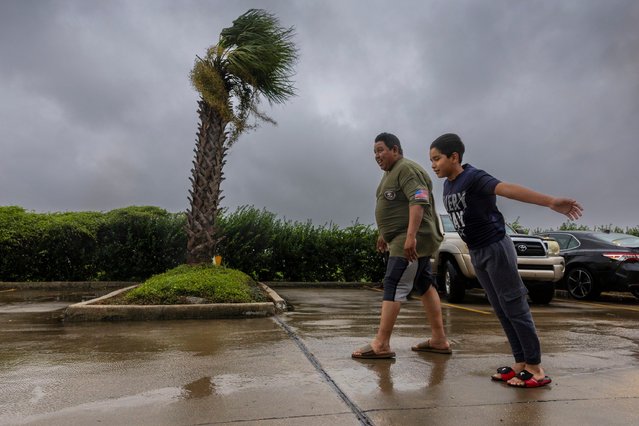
column 415, row 215
column 567, row 206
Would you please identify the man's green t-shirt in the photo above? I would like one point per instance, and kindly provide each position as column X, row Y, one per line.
column 404, row 185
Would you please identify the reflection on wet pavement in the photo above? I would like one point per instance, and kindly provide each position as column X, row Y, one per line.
column 199, row 388
column 381, row 367
column 250, row 371
column 34, row 301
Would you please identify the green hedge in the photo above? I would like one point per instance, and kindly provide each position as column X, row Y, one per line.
column 134, row 243
column 129, row 244
column 270, row 249
column 137, row 242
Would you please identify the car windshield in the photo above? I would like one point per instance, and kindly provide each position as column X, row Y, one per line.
column 447, row 222
column 622, row 240
column 510, row 231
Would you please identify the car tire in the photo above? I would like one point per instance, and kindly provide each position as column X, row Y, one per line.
column 581, row 284
column 541, row 293
column 454, row 283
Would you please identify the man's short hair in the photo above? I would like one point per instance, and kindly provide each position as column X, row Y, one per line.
column 449, row 143
column 390, row 140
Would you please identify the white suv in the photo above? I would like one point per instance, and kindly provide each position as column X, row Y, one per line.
column 538, row 261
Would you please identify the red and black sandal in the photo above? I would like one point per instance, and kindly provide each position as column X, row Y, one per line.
column 505, row 374
column 529, row 381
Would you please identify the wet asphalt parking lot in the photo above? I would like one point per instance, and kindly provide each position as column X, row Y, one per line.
column 295, row 368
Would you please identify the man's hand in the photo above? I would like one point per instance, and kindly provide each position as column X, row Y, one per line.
column 410, row 249
column 569, row 207
column 382, row 246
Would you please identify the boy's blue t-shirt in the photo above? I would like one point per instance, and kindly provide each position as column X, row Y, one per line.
column 471, row 202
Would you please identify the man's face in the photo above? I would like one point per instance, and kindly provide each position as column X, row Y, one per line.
column 385, row 157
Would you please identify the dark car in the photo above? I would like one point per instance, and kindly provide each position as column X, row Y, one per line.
column 598, row 261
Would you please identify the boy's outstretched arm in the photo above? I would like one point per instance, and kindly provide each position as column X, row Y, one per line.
column 567, row 206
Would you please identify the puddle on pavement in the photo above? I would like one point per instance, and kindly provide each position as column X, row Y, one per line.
column 35, row 316
column 16, row 301
column 199, row 388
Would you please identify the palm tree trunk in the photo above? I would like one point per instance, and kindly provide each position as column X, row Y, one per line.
column 205, row 195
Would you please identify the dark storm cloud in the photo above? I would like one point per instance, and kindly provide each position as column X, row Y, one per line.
column 96, row 110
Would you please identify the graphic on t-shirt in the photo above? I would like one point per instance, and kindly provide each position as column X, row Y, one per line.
column 455, row 205
column 472, row 204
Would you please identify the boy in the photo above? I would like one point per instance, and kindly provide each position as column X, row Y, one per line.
column 470, row 199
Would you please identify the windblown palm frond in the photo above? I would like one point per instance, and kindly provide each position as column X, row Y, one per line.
column 261, row 53
column 254, row 55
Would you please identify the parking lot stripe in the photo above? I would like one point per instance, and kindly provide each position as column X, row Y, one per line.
column 601, row 305
column 467, row 309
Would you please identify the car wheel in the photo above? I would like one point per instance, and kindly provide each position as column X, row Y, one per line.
column 454, row 284
column 581, row 284
column 541, row 293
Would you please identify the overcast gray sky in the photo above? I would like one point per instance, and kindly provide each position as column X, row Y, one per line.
column 97, row 112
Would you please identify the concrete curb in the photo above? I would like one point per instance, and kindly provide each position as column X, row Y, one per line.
column 280, row 304
column 90, row 311
column 63, row 285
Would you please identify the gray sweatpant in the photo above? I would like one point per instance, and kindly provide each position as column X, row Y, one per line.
column 496, row 269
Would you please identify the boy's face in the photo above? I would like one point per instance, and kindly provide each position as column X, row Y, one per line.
column 443, row 166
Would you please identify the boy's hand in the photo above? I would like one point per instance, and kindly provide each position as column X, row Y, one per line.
column 568, row 207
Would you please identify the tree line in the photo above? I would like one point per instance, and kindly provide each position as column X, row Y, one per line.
column 134, row 243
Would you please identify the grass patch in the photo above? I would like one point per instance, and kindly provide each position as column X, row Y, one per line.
column 215, row 284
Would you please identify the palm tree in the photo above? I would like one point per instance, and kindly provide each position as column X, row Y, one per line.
column 253, row 58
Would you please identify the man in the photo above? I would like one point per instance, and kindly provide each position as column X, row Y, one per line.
column 408, row 228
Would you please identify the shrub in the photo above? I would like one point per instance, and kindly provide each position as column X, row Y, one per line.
column 137, row 242
column 216, row 284
column 270, row 249
column 129, row 244
column 46, row 247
